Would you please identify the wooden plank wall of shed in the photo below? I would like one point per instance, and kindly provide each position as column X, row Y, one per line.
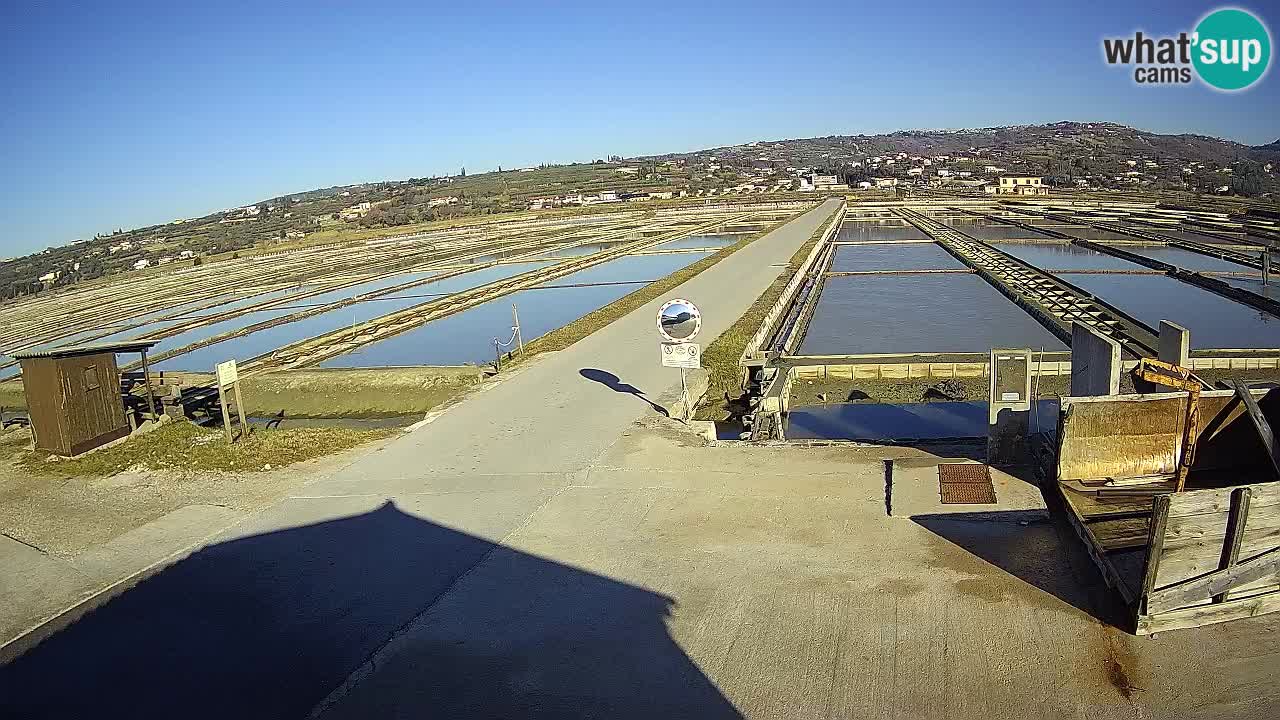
column 44, row 404
column 93, row 411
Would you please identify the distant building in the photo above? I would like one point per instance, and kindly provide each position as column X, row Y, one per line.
column 141, row 264
column 356, row 211
column 885, row 182
column 1021, row 185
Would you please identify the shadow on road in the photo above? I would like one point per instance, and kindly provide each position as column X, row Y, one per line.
column 612, row 382
column 268, row 625
column 1043, row 552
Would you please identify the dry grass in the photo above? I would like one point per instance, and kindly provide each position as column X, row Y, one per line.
column 187, row 447
column 13, row 443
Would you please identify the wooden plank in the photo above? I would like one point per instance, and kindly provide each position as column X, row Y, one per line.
column 1121, row 533
column 1218, row 500
column 1214, row 583
column 1155, row 542
column 1110, row 573
column 1234, row 609
column 1091, row 507
column 1129, row 435
column 226, row 417
column 244, row 426
column 1235, row 533
column 151, row 395
column 1259, row 423
column 1187, row 529
column 1194, row 558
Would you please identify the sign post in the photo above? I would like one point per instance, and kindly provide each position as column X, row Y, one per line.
column 679, row 322
column 228, row 376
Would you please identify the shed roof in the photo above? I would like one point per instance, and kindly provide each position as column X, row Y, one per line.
column 88, row 349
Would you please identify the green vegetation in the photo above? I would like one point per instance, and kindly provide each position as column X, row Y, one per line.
column 186, row 447
column 597, row 319
column 721, row 357
column 13, row 443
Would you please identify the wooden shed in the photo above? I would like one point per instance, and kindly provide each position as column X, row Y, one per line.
column 73, row 395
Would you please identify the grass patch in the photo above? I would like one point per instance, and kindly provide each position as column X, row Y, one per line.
column 721, row 357
column 573, row 332
column 13, row 443
column 184, row 446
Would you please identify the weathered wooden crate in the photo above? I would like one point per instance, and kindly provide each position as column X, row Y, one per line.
column 1179, row 559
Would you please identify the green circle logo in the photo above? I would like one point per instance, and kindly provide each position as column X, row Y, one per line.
column 1232, row 49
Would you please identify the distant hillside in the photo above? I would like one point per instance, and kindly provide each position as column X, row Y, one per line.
column 1099, row 153
column 1065, row 138
column 1266, row 153
column 1069, row 154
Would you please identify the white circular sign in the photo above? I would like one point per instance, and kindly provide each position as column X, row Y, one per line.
column 679, row 320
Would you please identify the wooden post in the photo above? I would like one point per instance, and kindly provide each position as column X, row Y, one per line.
column 1236, row 520
column 151, row 396
column 226, row 417
column 244, row 426
column 1155, row 545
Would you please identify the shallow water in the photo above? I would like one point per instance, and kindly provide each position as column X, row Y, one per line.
column 1065, row 256
column 906, row 256
column 698, row 241
column 1271, row 289
column 467, row 337
column 1214, row 321
column 1188, row 259
column 918, row 313
column 883, row 422
column 984, row 229
column 263, row 341
column 866, row 231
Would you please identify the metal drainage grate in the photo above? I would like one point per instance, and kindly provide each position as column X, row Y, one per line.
column 965, row 484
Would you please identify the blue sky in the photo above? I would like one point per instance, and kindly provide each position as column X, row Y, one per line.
column 140, row 113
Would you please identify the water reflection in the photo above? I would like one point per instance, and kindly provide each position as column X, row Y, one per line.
column 918, row 313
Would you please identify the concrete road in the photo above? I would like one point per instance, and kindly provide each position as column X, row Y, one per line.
column 274, row 615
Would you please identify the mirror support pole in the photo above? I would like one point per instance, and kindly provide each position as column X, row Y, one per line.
column 684, row 397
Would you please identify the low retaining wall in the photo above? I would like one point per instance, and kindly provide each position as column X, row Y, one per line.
column 322, row 393
column 871, row 369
